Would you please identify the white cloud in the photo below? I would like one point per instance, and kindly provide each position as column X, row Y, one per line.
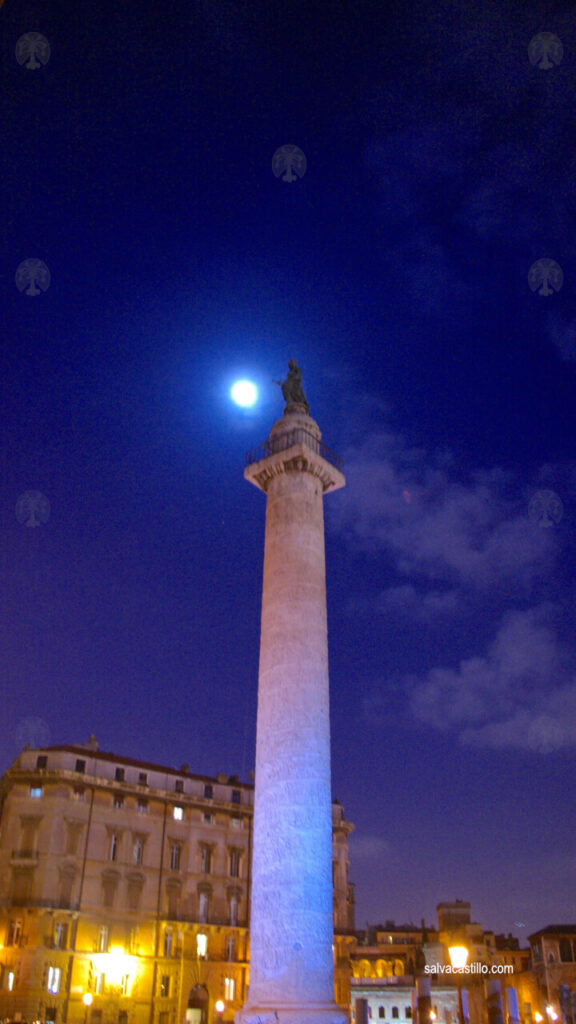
column 475, row 534
column 521, row 694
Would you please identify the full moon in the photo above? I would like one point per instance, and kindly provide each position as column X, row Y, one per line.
column 244, row 393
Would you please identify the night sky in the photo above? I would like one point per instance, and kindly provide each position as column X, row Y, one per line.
column 441, row 166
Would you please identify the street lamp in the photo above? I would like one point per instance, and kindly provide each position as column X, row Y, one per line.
column 219, row 1007
column 87, row 999
column 459, row 959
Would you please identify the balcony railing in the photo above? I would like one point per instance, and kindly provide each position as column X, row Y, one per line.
column 281, row 442
column 53, row 903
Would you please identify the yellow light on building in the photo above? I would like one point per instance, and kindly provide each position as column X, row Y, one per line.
column 117, row 966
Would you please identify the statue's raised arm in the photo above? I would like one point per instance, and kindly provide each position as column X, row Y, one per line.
column 292, row 389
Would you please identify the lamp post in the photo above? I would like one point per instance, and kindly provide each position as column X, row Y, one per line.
column 87, row 999
column 219, row 1006
column 459, row 959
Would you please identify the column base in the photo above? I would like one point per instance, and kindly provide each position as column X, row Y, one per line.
column 288, row 1013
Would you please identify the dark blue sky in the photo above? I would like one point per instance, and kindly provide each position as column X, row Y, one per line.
column 136, row 165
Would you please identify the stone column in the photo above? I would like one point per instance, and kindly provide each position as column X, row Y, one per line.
column 291, row 922
column 423, row 998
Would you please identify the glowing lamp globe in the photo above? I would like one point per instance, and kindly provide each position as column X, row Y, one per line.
column 244, row 393
column 458, row 956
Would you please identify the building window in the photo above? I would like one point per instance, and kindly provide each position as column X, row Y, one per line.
column 178, row 813
column 7, row 979
column 135, row 886
column 235, row 822
column 54, row 977
column 142, row 778
column 229, row 989
column 175, row 851
column 165, row 985
column 78, row 793
column 381, row 1012
column 235, row 796
column 201, row 945
column 233, row 908
column 67, row 879
column 109, row 887
column 118, row 800
column 207, row 818
column 14, row 932
column 103, row 938
column 173, row 895
column 60, row 935
column 203, row 899
column 97, row 985
column 205, row 858
column 114, row 844
column 179, row 786
column 73, row 830
column 168, row 942
column 142, row 807
column 122, row 1016
column 230, row 948
column 35, row 792
column 395, row 1013
column 21, row 885
column 80, row 765
column 566, row 951
column 208, row 792
column 119, row 775
column 408, row 1013
column 138, row 850
column 41, row 762
column 125, row 985
column 234, row 862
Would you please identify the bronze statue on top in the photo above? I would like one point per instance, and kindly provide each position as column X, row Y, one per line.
column 292, row 389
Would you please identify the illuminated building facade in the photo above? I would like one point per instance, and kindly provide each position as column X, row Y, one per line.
column 124, row 891
column 390, row 961
column 553, row 952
